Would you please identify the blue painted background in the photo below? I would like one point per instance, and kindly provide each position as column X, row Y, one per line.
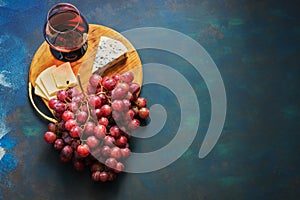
column 256, row 48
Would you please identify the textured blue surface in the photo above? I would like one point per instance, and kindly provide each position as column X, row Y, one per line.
column 256, row 48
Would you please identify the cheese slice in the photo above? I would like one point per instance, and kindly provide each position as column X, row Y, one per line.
column 63, row 76
column 39, row 89
column 109, row 53
column 49, row 82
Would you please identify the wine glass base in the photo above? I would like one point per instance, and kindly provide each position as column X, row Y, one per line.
column 69, row 56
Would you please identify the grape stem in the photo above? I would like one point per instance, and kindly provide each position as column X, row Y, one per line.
column 80, row 85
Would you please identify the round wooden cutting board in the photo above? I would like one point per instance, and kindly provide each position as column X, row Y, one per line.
column 44, row 59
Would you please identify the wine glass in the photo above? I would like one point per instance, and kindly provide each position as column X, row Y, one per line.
column 66, row 31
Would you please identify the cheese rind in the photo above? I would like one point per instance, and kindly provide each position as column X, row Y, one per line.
column 64, row 76
column 109, row 52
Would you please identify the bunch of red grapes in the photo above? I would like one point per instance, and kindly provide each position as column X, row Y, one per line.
column 93, row 128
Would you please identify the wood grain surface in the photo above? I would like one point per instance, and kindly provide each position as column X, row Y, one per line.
column 44, row 59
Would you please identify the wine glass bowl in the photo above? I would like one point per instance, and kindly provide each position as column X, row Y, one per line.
column 66, row 32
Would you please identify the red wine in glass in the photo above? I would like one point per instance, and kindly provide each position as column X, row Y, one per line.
column 66, row 31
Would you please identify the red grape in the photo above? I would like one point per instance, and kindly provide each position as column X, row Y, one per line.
column 73, row 92
column 59, row 107
column 121, row 141
column 83, row 150
column 109, row 141
column 70, row 124
column 66, row 153
column 117, row 77
column 82, row 116
column 130, row 114
column 118, row 93
column 92, row 141
column 119, row 167
column 144, row 113
column 78, row 99
column 141, row 102
column 123, row 86
column 75, row 132
column 94, row 101
column 91, row 89
column 51, row 127
column 59, row 144
column 73, row 106
column 127, row 77
column 134, row 88
column 127, row 103
column 103, row 98
column 96, row 176
column 103, row 121
column 100, row 131
column 96, row 114
column 134, row 124
column 111, row 162
column 52, row 102
column 125, row 152
column 105, row 151
column 49, row 137
column 67, row 115
column 114, row 131
column 108, row 83
column 67, row 138
column 115, row 152
column 95, row 79
column 62, row 95
column 89, row 128
column 118, row 105
column 103, row 177
column 106, row 110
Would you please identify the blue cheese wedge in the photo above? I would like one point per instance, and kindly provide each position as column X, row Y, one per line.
column 64, row 77
column 109, row 53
